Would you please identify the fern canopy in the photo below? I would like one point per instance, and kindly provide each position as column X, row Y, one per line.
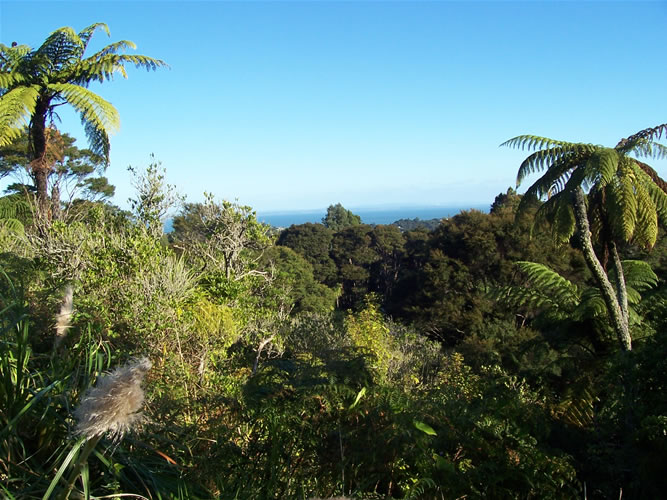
column 34, row 81
column 627, row 199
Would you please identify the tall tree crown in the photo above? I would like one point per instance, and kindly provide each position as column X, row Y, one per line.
column 34, row 81
column 626, row 197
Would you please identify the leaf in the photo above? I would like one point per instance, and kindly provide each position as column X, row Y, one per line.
column 360, row 395
column 425, row 428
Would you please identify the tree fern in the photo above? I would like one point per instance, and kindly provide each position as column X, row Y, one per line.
column 542, row 288
column 15, row 107
column 13, row 209
column 34, row 82
column 627, row 199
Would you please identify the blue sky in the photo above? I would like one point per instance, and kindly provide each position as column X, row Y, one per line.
column 297, row 105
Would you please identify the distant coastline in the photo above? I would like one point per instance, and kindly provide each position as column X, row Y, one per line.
column 284, row 219
column 368, row 215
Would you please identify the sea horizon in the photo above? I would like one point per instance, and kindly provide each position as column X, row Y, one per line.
column 374, row 215
column 369, row 215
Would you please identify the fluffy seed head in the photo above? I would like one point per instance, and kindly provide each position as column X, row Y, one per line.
column 113, row 406
column 64, row 317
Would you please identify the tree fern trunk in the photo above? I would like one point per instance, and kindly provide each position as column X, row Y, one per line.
column 38, row 144
column 618, row 319
column 621, row 290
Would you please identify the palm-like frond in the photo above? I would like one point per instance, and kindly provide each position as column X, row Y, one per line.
column 87, row 33
column 11, row 56
column 639, row 275
column 642, row 137
column 557, row 214
column 103, row 68
column 652, row 175
column 549, row 152
column 98, row 116
column 543, row 288
column 550, row 283
column 98, row 139
column 62, row 48
column 602, row 165
column 114, row 48
column 16, row 106
column 531, row 142
column 621, row 204
column 8, row 80
column 92, row 107
column 649, row 149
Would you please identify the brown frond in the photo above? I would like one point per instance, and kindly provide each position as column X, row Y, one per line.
column 648, row 170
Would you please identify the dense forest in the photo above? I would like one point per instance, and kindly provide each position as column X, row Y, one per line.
column 519, row 353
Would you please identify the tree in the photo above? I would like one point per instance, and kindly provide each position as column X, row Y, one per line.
column 313, row 242
column 75, row 171
column 338, row 218
column 626, row 199
column 351, row 250
column 226, row 236
column 154, row 196
column 34, row 82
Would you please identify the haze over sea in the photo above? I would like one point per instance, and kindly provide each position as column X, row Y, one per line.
column 385, row 215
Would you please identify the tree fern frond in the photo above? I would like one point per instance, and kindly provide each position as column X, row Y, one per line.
column 10, row 56
column 8, row 80
column 602, row 165
column 548, row 214
column 93, row 109
column 522, row 298
column 563, row 224
column 651, row 174
column 12, row 226
column 562, row 291
column 552, row 181
column 531, row 142
column 15, row 108
column 592, row 305
column 648, row 134
column 11, row 207
column 657, row 195
column 646, row 232
column 639, row 275
column 98, row 140
column 103, row 68
column 621, row 204
column 87, row 33
column 114, row 48
column 62, row 48
column 650, row 149
column 577, row 409
column 538, row 161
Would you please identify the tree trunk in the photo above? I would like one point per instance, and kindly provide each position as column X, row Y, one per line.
column 621, row 290
column 38, row 165
column 618, row 318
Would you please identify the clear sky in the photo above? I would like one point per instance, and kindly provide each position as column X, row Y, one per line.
column 297, row 105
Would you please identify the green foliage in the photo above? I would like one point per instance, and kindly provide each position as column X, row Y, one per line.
column 294, row 286
column 313, row 242
column 368, row 331
column 339, row 218
column 263, row 386
column 154, row 196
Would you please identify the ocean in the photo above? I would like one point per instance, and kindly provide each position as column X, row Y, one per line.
column 368, row 215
